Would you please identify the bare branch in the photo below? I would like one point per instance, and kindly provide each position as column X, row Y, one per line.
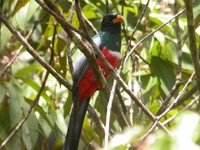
column 108, row 114
column 192, row 38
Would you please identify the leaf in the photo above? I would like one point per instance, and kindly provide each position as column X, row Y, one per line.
column 20, row 18
column 5, row 37
column 164, row 71
column 60, row 122
column 20, row 4
column 23, row 72
column 161, row 19
column 14, row 107
column 2, row 92
column 32, row 129
column 149, row 90
column 196, row 11
column 68, row 105
column 23, row 13
column 89, row 11
column 26, row 136
column 41, row 112
column 37, row 87
column 160, row 37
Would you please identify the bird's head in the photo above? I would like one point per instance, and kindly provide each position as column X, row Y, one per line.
column 112, row 23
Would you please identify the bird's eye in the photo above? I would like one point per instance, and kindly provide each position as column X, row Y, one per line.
column 106, row 19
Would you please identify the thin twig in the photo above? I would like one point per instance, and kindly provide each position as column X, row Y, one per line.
column 94, row 30
column 179, row 47
column 68, row 41
column 185, row 97
column 177, row 98
column 137, row 24
column 97, row 120
column 108, row 113
column 121, row 101
column 151, row 129
column 184, row 109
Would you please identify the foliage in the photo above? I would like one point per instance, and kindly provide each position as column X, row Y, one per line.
column 151, row 74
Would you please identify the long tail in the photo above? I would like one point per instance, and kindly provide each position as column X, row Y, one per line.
column 75, row 124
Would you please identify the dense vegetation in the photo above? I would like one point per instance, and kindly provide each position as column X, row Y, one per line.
column 157, row 94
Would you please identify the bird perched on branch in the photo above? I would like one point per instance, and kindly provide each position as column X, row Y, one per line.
column 108, row 40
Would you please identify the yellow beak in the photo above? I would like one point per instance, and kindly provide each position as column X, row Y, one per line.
column 119, row 18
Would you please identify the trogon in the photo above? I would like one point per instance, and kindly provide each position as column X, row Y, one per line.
column 108, row 40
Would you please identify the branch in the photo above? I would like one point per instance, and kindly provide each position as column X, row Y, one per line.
column 108, row 114
column 193, row 47
column 185, row 97
column 68, row 41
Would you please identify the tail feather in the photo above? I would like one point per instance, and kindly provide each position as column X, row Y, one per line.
column 75, row 124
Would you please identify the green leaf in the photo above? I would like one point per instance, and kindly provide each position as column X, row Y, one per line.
column 24, row 11
column 20, row 4
column 160, row 37
column 149, row 91
column 26, row 136
column 2, row 92
column 196, row 11
column 89, row 11
column 41, row 112
column 37, row 87
column 15, row 106
column 164, row 71
column 60, row 122
column 32, row 125
column 5, row 37
column 23, row 72
column 159, row 19
column 68, row 105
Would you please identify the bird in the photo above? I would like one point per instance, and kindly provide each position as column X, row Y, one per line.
column 85, row 83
